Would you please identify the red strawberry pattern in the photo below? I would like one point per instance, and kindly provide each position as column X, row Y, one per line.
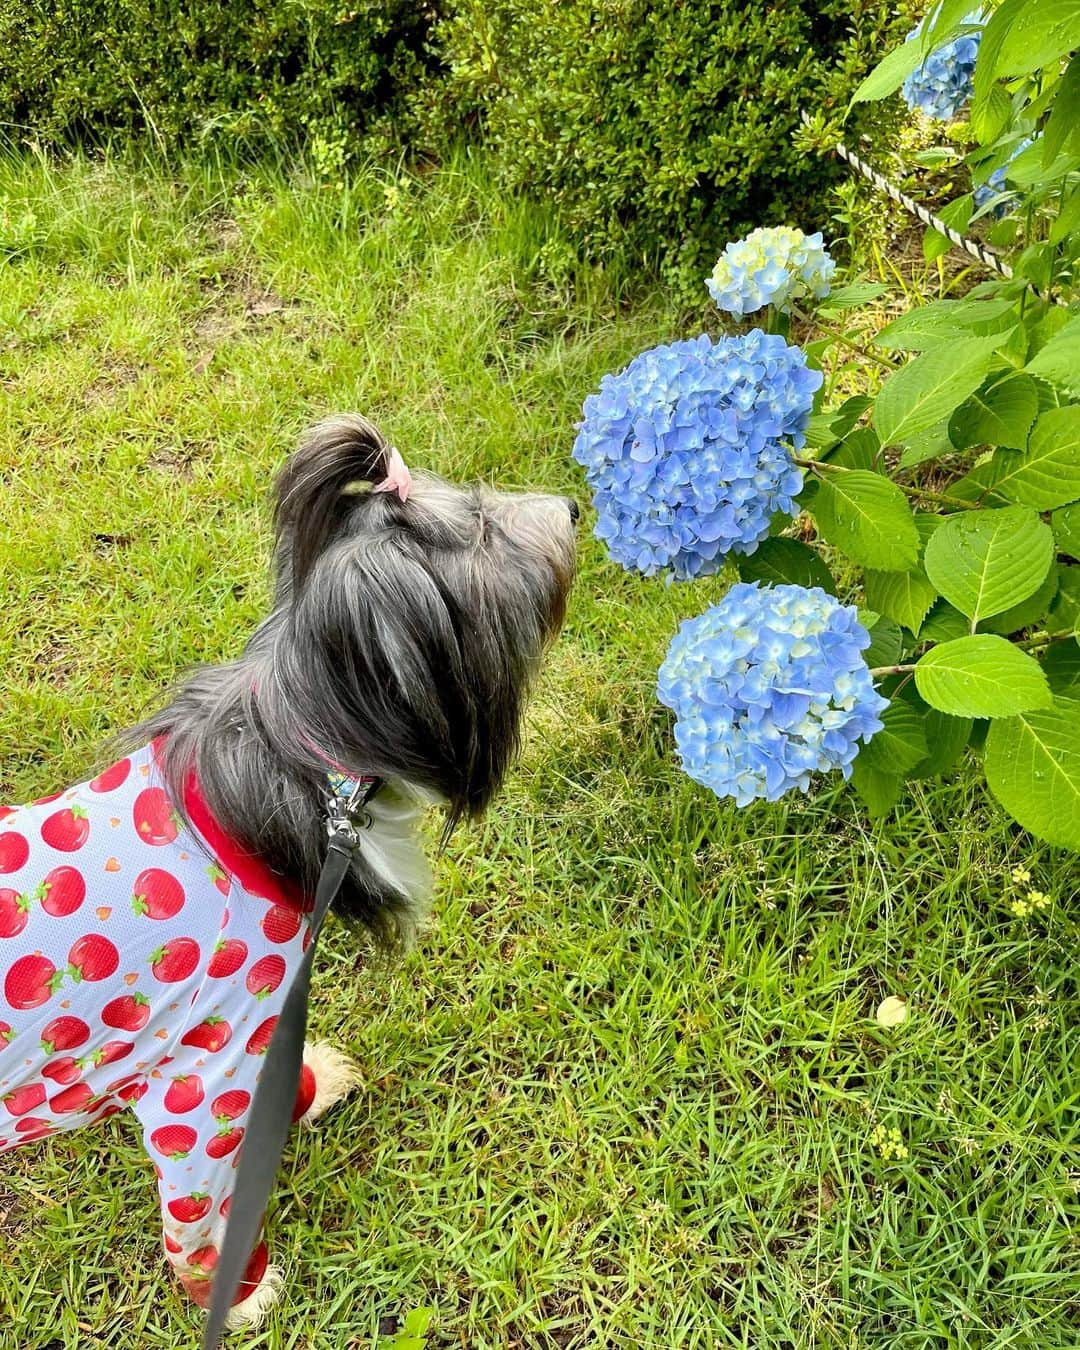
column 14, row 851
column 66, row 830
column 14, row 912
column 137, row 976
column 113, row 776
column 93, row 957
column 129, row 1012
column 157, row 894
column 64, row 1033
column 62, row 892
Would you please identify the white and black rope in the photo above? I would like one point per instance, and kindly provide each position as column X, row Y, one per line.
column 971, row 246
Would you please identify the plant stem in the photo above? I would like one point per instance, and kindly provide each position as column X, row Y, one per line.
column 842, row 337
column 891, row 670
column 818, row 466
column 1044, row 639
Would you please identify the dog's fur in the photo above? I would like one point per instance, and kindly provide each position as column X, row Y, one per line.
column 401, row 644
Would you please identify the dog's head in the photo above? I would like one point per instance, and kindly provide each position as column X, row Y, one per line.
column 407, row 631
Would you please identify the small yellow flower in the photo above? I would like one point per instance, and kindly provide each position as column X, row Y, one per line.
column 1021, row 875
column 1038, row 899
column 1020, row 908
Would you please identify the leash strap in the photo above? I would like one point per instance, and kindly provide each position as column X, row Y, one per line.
column 275, row 1092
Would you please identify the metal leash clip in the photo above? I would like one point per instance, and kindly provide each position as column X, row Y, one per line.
column 347, row 816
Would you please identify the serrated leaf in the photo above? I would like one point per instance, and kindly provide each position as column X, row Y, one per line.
column 1047, row 473
column 1032, row 764
column 867, row 518
column 858, row 450
column 984, row 562
column 943, row 623
column 890, row 73
column 851, row 296
column 987, row 95
column 944, row 320
column 1059, row 360
column 1027, row 612
column 1067, row 219
column 934, row 244
column 1060, row 131
column 1064, row 616
column 903, row 596
column 1040, row 33
column 927, row 445
column 786, row 562
column 981, row 675
column 1061, row 665
column 1001, row 414
column 899, row 745
column 1066, row 526
column 886, row 640
column 878, row 791
column 930, row 387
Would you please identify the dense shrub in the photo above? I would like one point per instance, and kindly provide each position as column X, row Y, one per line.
column 254, row 71
column 666, row 124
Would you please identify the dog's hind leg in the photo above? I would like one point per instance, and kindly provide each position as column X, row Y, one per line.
column 327, row 1077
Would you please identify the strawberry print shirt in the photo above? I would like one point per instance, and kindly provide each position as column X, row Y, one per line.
column 142, row 967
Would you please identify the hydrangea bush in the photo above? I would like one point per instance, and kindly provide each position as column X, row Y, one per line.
column 688, row 451
column 943, row 496
column 942, row 85
column 768, row 687
column 770, row 267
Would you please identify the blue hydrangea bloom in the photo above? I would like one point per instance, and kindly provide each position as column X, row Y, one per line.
column 768, row 687
column 770, row 267
column 943, row 84
column 688, row 450
column 994, row 187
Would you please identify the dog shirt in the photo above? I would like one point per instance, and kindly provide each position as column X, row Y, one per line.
column 143, row 963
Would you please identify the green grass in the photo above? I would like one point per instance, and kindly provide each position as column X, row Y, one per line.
column 623, row 1093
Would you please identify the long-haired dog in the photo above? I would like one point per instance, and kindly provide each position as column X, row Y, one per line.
column 151, row 918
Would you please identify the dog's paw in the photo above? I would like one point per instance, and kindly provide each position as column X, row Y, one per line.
column 251, row 1311
column 334, row 1076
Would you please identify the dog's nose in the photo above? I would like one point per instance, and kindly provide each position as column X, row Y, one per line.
column 574, row 509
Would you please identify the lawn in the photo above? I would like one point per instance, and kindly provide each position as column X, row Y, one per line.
column 625, row 1091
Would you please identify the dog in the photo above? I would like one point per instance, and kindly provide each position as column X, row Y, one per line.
column 151, row 917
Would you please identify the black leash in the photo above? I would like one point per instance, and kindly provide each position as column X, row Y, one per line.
column 275, row 1093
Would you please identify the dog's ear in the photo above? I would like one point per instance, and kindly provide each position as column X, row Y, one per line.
column 311, row 501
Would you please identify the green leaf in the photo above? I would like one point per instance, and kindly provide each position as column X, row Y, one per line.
column 1064, row 616
column 1032, row 766
column 786, row 562
column 1066, row 527
column 987, row 96
column 890, row 73
column 1061, row 665
column 943, row 623
column 984, row 562
column 878, row 790
column 1061, row 128
column 1040, row 33
column 1059, row 360
column 886, row 640
column 1047, row 473
column 867, row 518
column 981, row 675
column 934, row 244
column 899, row 745
column 930, row 387
column 903, row 596
column 957, row 214
column 946, row 737
column 1027, row 612
column 858, row 450
column 930, row 444
column 418, row 1321
column 945, row 320
column 1001, row 414
column 851, row 296
column 1067, row 219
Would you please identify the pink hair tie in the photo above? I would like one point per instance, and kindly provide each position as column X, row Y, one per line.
column 398, row 478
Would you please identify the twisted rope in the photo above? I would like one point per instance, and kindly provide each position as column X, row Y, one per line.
column 971, row 246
